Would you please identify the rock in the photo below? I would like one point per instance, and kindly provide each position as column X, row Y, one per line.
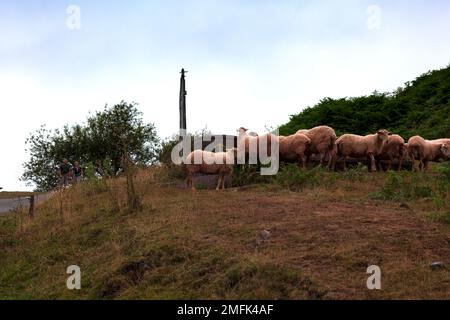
column 405, row 206
column 265, row 234
column 437, row 265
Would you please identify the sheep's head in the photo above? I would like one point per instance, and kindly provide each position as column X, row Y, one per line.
column 383, row 135
column 445, row 150
column 242, row 130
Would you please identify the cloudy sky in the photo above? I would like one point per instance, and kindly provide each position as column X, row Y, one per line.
column 251, row 62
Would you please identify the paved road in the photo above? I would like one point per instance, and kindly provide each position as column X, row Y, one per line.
column 6, row 205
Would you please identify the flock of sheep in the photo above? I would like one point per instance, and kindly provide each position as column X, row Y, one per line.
column 322, row 141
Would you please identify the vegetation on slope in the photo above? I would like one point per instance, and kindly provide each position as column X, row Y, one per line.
column 421, row 107
column 208, row 244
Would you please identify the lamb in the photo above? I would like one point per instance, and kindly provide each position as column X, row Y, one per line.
column 394, row 148
column 206, row 162
column 323, row 139
column 294, row 148
column 427, row 150
column 351, row 145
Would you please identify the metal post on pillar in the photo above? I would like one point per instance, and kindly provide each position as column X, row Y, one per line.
column 182, row 102
column 31, row 209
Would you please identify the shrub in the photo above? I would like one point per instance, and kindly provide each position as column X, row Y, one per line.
column 176, row 172
column 414, row 185
column 244, row 174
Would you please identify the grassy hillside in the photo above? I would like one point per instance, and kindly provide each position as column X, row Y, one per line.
column 325, row 229
column 421, row 107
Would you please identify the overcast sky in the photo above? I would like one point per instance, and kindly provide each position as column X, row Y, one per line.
column 251, row 62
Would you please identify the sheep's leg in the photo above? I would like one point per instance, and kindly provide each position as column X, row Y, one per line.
column 307, row 159
column 379, row 165
column 400, row 163
column 372, row 163
column 321, row 160
column 190, row 183
column 219, row 180
column 303, row 161
column 330, row 160
column 333, row 162
column 415, row 165
column 421, row 165
column 389, row 165
column 425, row 165
column 223, row 182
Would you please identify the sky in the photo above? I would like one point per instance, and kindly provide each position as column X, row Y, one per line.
column 250, row 63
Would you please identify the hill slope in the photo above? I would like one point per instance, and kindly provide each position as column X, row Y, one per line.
column 421, row 107
column 209, row 245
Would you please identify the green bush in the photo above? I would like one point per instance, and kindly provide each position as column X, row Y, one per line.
column 414, row 185
column 444, row 173
column 244, row 175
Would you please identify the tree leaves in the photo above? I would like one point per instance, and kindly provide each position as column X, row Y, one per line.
column 100, row 138
column 421, row 107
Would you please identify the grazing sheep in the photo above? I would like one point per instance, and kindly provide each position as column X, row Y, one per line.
column 220, row 163
column 443, row 140
column 323, row 139
column 351, row 145
column 427, row 150
column 394, row 148
column 243, row 131
column 295, row 148
column 248, row 140
column 253, row 139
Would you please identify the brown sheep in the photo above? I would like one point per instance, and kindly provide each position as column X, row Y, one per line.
column 206, row 162
column 294, row 148
column 394, row 148
column 443, row 140
column 323, row 139
column 427, row 150
column 351, row 145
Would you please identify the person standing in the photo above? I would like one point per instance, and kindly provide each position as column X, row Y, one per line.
column 77, row 172
column 64, row 174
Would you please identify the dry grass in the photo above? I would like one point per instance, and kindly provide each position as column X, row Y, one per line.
column 16, row 194
column 208, row 245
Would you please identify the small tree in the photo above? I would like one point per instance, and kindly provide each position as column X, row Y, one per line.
column 98, row 139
